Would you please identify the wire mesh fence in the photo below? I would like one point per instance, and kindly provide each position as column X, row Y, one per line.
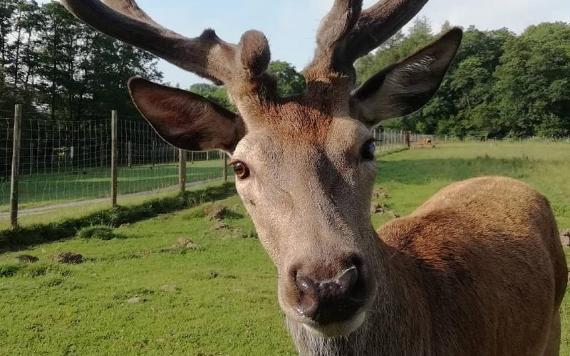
column 71, row 160
column 393, row 140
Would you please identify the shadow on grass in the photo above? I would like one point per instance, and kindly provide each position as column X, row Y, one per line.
column 13, row 240
column 420, row 171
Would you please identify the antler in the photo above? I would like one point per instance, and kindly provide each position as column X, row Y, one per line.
column 207, row 55
column 346, row 34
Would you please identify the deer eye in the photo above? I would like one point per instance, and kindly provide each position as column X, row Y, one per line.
column 241, row 170
column 368, row 150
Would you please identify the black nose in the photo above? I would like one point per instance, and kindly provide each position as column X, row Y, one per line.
column 330, row 300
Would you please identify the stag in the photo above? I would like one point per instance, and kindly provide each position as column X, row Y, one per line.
column 477, row 270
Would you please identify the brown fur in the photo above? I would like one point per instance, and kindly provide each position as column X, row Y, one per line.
column 491, row 266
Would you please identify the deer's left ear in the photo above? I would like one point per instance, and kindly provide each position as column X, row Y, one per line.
column 405, row 87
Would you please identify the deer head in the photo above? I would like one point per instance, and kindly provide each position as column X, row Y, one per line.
column 304, row 165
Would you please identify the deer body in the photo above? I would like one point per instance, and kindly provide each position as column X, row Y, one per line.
column 477, row 270
column 480, row 259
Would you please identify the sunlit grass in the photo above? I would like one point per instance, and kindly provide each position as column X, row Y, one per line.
column 80, row 184
column 138, row 295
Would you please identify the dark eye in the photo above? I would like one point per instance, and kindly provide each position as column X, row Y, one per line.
column 368, row 150
column 241, row 170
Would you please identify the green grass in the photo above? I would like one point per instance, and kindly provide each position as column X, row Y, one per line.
column 137, row 295
column 77, row 212
column 411, row 177
column 45, row 189
column 144, row 294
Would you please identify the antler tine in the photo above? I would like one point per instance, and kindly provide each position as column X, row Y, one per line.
column 347, row 33
column 207, row 55
column 334, row 28
column 378, row 23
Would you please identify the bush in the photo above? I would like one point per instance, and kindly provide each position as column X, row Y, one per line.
column 9, row 270
column 99, row 232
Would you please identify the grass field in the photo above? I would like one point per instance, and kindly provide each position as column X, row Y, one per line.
column 140, row 295
column 45, row 189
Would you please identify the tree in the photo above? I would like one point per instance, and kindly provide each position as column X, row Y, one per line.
column 289, row 81
column 214, row 93
column 534, row 82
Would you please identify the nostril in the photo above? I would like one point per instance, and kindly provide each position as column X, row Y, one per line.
column 305, row 285
column 356, row 261
column 308, row 291
column 346, row 280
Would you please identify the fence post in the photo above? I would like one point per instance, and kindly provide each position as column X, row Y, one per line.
column 31, row 158
column 114, row 120
column 225, row 167
column 182, row 170
column 15, row 166
column 129, row 154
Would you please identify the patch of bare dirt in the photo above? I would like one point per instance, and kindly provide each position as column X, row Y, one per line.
column 27, row 259
column 69, row 258
column 182, row 244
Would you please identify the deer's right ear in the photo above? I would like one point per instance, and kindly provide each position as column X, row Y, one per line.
column 186, row 120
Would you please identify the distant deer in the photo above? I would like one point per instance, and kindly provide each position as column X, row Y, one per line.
column 477, row 270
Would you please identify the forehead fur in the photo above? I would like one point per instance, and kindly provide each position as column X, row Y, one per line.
column 300, row 118
column 293, row 120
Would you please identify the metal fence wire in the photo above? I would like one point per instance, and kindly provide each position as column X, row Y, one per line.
column 71, row 160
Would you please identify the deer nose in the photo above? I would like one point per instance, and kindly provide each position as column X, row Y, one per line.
column 330, row 300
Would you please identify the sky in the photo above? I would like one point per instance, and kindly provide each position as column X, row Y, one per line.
column 290, row 25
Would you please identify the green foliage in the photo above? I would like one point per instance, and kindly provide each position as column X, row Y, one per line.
column 289, row 81
column 213, row 93
column 54, row 64
column 501, row 85
column 99, row 232
column 9, row 270
column 534, row 80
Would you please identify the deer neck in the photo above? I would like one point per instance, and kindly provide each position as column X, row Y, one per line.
column 400, row 312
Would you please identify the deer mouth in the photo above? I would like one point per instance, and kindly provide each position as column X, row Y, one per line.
column 337, row 328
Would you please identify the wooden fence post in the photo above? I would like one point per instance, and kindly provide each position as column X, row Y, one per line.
column 114, row 119
column 15, row 166
column 225, row 167
column 182, row 170
column 129, row 154
column 31, row 158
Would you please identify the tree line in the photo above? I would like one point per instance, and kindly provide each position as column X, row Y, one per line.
column 502, row 84
column 58, row 67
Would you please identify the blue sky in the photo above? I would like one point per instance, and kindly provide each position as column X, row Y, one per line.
column 290, row 25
